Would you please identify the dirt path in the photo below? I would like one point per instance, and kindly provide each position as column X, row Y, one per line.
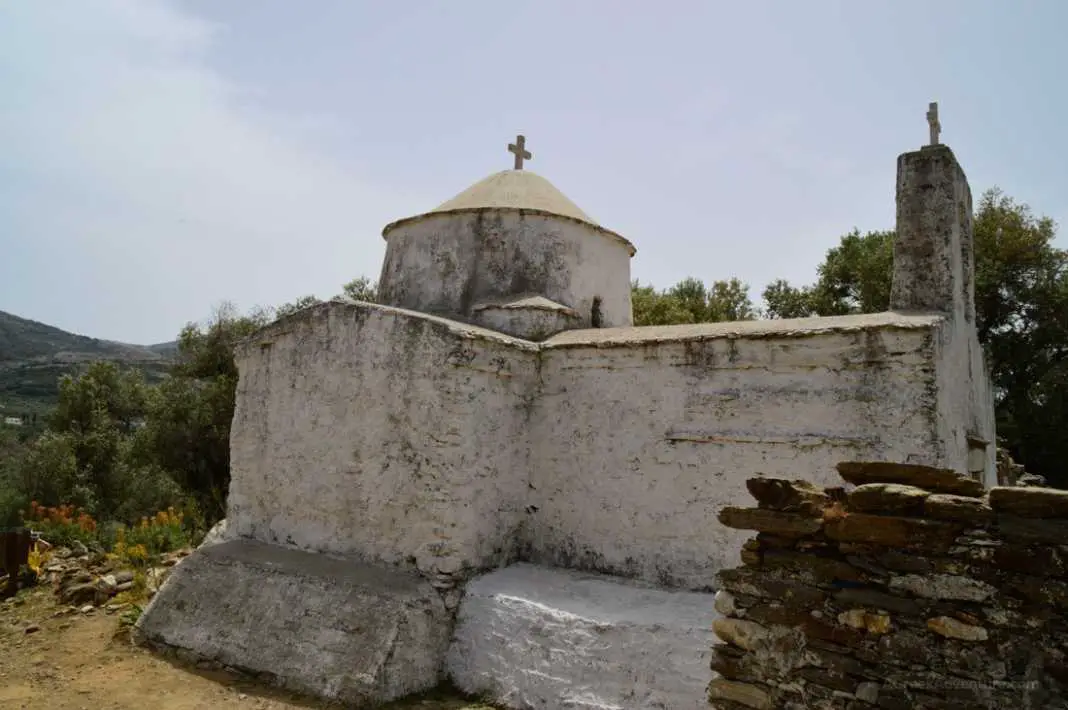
column 86, row 662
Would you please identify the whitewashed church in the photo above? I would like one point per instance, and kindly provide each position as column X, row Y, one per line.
column 493, row 478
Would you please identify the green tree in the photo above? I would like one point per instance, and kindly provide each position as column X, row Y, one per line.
column 728, row 301
column 50, row 473
column 298, row 305
column 362, row 289
column 86, row 457
column 13, row 496
column 1021, row 297
column 855, row 277
column 359, row 289
column 690, row 301
column 96, row 412
column 187, row 428
column 651, row 307
column 105, row 391
column 781, row 300
column 692, row 296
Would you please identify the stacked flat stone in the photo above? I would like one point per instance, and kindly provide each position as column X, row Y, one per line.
column 1009, row 472
column 912, row 588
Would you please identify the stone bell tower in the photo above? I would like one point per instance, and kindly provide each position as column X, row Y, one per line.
column 934, row 272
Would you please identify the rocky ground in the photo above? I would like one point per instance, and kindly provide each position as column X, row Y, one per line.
column 66, row 645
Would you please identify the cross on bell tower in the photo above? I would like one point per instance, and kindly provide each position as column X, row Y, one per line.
column 933, row 123
column 520, row 150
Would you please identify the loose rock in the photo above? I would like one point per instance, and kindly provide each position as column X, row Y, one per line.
column 868, row 692
column 872, row 622
column 789, row 496
column 892, row 531
column 770, row 521
column 750, row 696
column 1030, row 502
column 883, row 498
column 944, row 586
column 724, row 603
column 743, row 634
column 941, row 506
column 951, row 628
column 936, row 480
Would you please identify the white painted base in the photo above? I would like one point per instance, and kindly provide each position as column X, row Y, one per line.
column 535, row 637
column 219, row 533
column 327, row 626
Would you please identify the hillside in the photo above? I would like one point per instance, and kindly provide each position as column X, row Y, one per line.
column 33, row 356
column 23, row 340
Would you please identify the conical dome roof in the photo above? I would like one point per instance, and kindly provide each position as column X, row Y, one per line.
column 516, row 189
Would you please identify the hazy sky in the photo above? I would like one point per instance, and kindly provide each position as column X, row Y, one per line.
column 160, row 156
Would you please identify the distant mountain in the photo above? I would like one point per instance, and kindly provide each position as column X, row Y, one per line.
column 33, row 356
column 23, row 340
column 168, row 350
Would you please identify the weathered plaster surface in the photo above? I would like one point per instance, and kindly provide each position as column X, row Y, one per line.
column 410, row 439
column 394, row 436
column 220, row 532
column 532, row 637
column 640, row 444
column 965, row 397
column 328, row 626
column 982, row 409
column 754, row 329
column 533, row 318
column 934, row 270
column 933, row 266
column 448, row 263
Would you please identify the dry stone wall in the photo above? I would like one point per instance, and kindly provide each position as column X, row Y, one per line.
column 913, row 588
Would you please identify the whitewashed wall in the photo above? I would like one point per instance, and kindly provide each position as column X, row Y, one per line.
column 415, row 440
column 965, row 396
column 530, row 323
column 448, row 263
column 641, row 443
column 396, row 436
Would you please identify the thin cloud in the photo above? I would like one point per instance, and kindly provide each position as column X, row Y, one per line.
column 127, row 155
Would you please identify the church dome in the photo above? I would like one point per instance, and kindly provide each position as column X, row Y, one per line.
column 511, row 253
column 514, row 190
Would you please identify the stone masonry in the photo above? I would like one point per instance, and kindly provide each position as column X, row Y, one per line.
column 917, row 588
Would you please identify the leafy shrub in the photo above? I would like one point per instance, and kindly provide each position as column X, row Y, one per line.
column 50, row 474
column 62, row 525
column 133, row 554
column 145, row 490
column 12, row 504
column 163, row 532
column 131, row 615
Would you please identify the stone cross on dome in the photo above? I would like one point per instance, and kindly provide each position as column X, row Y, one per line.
column 933, row 123
column 520, row 150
